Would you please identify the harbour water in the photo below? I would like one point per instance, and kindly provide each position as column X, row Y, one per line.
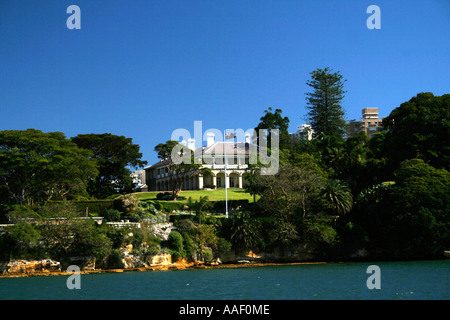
column 417, row 280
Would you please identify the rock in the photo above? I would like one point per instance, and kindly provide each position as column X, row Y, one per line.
column 162, row 230
column 243, row 261
column 161, row 259
column 250, row 254
column 30, row 267
column 130, row 261
column 129, row 247
column 360, row 253
column 83, row 262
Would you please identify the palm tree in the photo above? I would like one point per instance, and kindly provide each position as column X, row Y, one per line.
column 245, row 233
column 337, row 196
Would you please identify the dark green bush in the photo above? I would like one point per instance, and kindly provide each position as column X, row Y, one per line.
column 175, row 241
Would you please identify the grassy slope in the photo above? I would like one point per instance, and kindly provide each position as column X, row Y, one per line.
column 213, row 195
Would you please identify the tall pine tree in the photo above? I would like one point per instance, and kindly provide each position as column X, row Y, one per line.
column 325, row 114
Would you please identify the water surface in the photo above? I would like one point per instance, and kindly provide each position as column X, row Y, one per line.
column 399, row 280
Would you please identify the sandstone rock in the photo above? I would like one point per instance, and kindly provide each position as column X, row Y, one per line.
column 162, row 230
column 129, row 247
column 30, row 267
column 161, row 259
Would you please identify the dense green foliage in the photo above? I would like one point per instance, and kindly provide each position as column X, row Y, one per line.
column 384, row 197
column 37, row 166
column 420, row 128
column 325, row 113
column 113, row 155
column 269, row 122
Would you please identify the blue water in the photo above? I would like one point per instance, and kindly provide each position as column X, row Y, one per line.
column 420, row 280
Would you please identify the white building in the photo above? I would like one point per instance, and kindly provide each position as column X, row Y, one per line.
column 139, row 180
column 216, row 155
column 305, row 129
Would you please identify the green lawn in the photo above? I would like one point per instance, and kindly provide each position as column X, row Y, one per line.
column 213, row 195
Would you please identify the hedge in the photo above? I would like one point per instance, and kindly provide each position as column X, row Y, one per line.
column 95, row 206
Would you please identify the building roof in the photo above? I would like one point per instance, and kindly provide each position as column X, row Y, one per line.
column 228, row 148
column 218, row 148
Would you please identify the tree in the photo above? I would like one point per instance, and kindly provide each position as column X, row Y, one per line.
column 20, row 240
column 201, row 206
column 325, row 114
column 404, row 219
column 203, row 236
column 65, row 233
column 352, row 163
column 175, row 242
column 337, row 196
column 178, row 170
column 420, row 208
column 420, row 128
column 292, row 190
column 37, row 166
column 245, row 232
column 269, row 122
column 113, row 154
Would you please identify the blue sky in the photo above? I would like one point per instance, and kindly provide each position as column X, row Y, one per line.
column 145, row 68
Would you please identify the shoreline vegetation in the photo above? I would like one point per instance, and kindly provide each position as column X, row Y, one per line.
column 183, row 265
column 168, row 267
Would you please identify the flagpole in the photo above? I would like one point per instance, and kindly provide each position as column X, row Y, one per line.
column 226, row 184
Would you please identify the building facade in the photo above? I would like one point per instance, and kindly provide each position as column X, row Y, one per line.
column 370, row 123
column 216, row 155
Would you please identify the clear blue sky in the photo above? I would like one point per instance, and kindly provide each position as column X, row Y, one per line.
column 144, row 68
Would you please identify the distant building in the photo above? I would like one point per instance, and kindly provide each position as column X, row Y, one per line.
column 370, row 123
column 236, row 155
column 305, row 130
column 139, row 180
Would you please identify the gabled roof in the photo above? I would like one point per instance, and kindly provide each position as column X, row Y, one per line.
column 217, row 149
column 228, row 148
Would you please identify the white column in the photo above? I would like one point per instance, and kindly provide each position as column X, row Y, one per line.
column 200, row 182
column 214, row 181
column 240, row 181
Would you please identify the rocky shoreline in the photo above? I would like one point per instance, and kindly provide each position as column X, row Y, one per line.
column 167, row 267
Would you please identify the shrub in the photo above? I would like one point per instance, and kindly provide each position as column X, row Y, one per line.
column 176, row 256
column 175, row 241
column 223, row 246
column 207, row 255
column 112, row 215
column 114, row 260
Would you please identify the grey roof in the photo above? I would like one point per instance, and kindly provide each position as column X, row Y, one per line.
column 228, row 148
column 217, row 149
